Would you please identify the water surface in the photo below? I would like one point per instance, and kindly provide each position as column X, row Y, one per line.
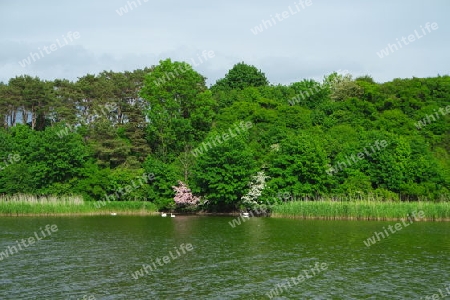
column 97, row 256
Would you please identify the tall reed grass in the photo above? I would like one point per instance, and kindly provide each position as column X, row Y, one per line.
column 361, row 210
column 17, row 205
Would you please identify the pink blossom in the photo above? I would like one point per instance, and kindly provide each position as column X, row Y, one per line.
column 184, row 195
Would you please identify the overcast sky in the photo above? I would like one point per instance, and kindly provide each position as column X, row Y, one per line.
column 309, row 40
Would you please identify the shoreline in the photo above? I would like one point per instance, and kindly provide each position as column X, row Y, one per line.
column 82, row 214
column 278, row 216
column 234, row 215
column 348, row 218
column 363, row 210
column 308, row 210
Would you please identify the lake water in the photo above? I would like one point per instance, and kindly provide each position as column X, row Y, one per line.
column 190, row 257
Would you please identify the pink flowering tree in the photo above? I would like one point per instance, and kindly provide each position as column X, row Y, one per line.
column 183, row 195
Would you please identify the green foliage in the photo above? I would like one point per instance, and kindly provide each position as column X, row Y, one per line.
column 240, row 77
column 160, row 190
column 95, row 136
column 299, row 166
column 308, row 93
column 222, row 173
column 45, row 160
column 180, row 108
column 344, row 88
column 93, row 182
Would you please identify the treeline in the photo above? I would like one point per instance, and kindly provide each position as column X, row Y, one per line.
column 346, row 136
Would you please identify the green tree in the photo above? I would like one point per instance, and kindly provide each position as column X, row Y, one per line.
column 222, row 173
column 46, row 160
column 108, row 146
column 180, row 108
column 34, row 98
column 160, row 190
column 239, row 77
column 299, row 166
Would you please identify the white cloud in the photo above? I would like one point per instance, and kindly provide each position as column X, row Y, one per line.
column 326, row 36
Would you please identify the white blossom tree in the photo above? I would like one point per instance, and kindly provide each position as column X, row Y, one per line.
column 256, row 186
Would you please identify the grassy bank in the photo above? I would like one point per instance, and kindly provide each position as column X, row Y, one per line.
column 23, row 205
column 362, row 210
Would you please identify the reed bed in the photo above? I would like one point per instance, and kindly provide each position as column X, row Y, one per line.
column 362, row 210
column 21, row 205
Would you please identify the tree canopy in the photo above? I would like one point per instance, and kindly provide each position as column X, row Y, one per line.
column 98, row 134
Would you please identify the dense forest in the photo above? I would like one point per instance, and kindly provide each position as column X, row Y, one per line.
column 242, row 141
